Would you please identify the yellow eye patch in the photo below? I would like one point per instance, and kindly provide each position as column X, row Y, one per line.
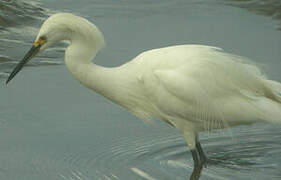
column 39, row 42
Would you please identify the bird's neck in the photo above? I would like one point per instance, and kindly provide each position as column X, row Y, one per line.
column 103, row 80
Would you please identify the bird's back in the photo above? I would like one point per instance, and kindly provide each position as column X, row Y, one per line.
column 206, row 86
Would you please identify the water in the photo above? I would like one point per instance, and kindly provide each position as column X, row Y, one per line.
column 53, row 128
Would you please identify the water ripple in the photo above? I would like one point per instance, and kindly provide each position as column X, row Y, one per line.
column 18, row 20
column 269, row 8
column 127, row 157
column 15, row 12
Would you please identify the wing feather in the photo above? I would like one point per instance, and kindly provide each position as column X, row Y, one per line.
column 213, row 88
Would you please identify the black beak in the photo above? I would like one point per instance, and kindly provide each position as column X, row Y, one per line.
column 29, row 55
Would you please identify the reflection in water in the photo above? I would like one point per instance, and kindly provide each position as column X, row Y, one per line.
column 271, row 8
column 16, row 12
column 18, row 21
column 40, row 141
column 252, row 148
column 196, row 173
column 4, row 59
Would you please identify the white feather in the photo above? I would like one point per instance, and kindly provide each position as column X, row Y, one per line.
column 192, row 87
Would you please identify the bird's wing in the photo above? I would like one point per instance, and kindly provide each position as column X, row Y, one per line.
column 185, row 97
column 214, row 88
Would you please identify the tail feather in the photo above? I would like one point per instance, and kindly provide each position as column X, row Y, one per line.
column 272, row 103
column 275, row 88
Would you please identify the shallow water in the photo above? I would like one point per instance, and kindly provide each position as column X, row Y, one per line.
column 53, row 128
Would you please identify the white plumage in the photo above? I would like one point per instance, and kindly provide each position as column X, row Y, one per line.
column 192, row 87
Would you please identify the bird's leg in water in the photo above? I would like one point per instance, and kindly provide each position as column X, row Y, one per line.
column 197, row 165
column 202, row 156
column 195, row 158
column 191, row 140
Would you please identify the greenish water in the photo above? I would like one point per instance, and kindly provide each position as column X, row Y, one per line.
column 53, row 128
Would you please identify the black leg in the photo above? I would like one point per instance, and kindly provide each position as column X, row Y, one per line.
column 203, row 158
column 197, row 166
column 195, row 158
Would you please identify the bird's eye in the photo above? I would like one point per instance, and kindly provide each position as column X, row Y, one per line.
column 41, row 41
column 43, row 38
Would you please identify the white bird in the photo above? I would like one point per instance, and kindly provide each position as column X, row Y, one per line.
column 192, row 87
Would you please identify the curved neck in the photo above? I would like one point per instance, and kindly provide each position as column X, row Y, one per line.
column 101, row 79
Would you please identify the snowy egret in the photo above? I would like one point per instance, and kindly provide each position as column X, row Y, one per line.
column 192, row 87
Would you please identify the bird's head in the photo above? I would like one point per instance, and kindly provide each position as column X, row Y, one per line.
column 50, row 32
column 58, row 27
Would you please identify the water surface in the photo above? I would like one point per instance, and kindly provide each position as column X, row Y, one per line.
column 53, row 128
